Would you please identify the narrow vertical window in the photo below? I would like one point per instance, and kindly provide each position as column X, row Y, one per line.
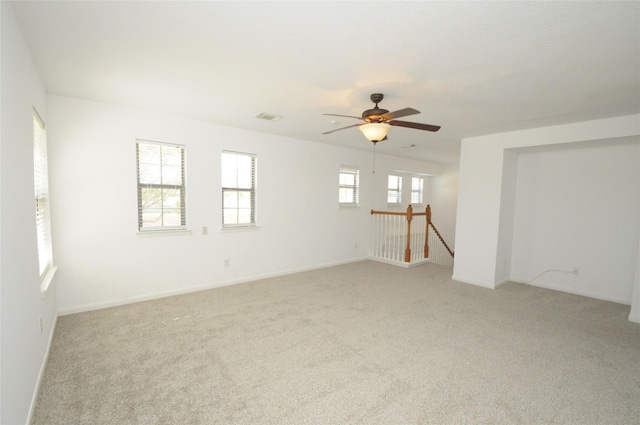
column 348, row 186
column 41, row 180
column 394, row 189
column 417, row 185
column 161, row 186
column 238, row 189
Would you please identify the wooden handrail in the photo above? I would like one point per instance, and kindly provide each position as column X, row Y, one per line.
column 442, row 240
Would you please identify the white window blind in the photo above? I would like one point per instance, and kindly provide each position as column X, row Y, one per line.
column 394, row 189
column 417, row 185
column 41, row 183
column 238, row 189
column 348, row 186
column 161, row 186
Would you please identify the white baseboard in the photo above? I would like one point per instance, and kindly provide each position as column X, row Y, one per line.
column 502, row 282
column 164, row 294
column 400, row 263
column 473, row 281
column 43, row 366
column 572, row 291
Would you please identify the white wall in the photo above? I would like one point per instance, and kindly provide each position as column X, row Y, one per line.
column 579, row 207
column 93, row 179
column 482, row 245
column 23, row 346
column 443, row 197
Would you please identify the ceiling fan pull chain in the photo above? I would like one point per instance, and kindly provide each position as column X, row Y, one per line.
column 374, row 157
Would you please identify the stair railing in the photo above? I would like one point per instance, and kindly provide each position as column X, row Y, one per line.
column 404, row 238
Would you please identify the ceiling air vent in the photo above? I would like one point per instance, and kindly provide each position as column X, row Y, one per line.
column 268, row 117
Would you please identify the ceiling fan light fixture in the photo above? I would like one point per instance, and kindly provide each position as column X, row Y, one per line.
column 375, row 131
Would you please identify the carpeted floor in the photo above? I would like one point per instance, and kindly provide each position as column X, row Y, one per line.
column 362, row 343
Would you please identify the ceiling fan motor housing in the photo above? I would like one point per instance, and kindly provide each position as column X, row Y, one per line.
column 375, row 114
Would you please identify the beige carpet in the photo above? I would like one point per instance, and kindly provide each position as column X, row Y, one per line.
column 362, row 343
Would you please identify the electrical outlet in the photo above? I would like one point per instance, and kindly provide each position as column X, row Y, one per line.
column 575, row 271
column 205, row 230
column 227, row 262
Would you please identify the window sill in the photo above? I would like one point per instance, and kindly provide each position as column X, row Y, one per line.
column 240, row 228
column 154, row 233
column 348, row 205
column 46, row 280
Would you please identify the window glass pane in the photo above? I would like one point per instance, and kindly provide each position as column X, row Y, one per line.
column 244, row 181
column 151, row 198
column 346, row 195
column 171, row 155
column 244, row 200
column 171, row 217
column 244, row 216
column 229, row 170
column 149, row 154
column 150, row 174
column 172, row 174
column 152, row 217
column 415, row 183
column 347, row 179
column 230, row 199
column 230, row 216
column 171, row 198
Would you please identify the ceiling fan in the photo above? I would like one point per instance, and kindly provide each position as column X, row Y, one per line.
column 378, row 121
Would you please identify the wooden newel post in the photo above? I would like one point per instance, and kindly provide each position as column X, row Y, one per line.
column 407, row 251
column 426, row 232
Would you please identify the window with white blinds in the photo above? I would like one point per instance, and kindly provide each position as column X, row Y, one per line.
column 348, row 186
column 41, row 183
column 394, row 189
column 238, row 189
column 161, row 186
column 417, row 192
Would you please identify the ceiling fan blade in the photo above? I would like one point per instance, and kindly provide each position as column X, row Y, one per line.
column 401, row 113
column 346, row 116
column 342, row 128
column 415, row 125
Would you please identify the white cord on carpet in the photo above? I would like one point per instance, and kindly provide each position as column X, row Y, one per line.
column 546, row 271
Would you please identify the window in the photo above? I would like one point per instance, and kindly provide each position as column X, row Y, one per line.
column 161, row 186
column 41, row 183
column 394, row 189
column 417, row 184
column 348, row 186
column 238, row 189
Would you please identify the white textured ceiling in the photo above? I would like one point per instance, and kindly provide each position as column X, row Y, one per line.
column 474, row 68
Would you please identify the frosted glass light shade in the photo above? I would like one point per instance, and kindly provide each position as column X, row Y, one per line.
column 375, row 131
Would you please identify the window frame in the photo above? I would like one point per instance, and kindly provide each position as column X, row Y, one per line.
column 397, row 190
column 237, row 189
column 42, row 207
column 419, row 192
column 181, row 187
column 355, row 187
